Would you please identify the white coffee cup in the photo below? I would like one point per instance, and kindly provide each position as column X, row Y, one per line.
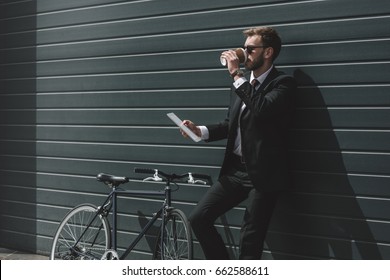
column 242, row 56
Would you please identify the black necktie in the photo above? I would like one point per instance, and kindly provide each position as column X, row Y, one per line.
column 255, row 83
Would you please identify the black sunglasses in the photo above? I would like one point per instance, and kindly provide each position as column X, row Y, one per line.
column 249, row 49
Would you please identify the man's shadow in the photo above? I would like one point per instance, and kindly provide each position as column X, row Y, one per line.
column 320, row 217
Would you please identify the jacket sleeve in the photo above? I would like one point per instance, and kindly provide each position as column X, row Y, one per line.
column 273, row 100
column 218, row 131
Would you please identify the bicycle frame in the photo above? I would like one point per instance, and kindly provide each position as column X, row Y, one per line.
column 111, row 204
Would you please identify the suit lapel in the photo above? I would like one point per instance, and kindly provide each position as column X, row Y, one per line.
column 262, row 88
column 235, row 111
column 236, row 107
column 272, row 75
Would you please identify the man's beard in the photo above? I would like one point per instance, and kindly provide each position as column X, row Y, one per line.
column 257, row 63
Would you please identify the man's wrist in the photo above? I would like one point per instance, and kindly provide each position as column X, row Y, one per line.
column 238, row 72
column 237, row 83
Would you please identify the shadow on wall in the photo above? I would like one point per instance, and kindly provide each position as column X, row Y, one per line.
column 18, row 199
column 321, row 217
column 151, row 235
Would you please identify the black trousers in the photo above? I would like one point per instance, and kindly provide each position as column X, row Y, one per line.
column 225, row 194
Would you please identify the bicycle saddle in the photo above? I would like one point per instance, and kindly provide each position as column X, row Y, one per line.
column 111, row 179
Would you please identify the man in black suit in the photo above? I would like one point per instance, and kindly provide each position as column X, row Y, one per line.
column 255, row 166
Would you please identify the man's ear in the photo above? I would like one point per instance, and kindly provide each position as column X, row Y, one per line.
column 269, row 52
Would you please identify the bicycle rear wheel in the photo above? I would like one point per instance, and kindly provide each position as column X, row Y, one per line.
column 177, row 243
column 74, row 240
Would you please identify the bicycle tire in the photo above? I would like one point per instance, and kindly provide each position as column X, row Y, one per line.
column 177, row 243
column 94, row 242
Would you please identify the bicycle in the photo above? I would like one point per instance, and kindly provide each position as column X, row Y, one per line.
column 85, row 232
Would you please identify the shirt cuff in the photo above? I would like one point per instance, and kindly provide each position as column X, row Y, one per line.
column 239, row 82
column 205, row 132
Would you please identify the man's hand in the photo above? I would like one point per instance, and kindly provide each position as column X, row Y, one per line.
column 233, row 63
column 192, row 127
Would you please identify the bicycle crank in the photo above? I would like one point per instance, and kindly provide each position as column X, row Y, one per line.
column 110, row 255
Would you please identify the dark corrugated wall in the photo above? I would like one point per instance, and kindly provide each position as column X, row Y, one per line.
column 85, row 87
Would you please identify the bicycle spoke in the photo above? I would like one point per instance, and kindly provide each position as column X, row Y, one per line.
column 177, row 243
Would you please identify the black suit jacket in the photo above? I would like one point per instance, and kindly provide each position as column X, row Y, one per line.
column 264, row 126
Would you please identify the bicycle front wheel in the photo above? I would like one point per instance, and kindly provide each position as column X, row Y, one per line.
column 82, row 235
column 177, row 242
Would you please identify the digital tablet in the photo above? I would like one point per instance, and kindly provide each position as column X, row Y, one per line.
column 180, row 124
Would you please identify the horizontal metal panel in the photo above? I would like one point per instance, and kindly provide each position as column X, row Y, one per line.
column 18, row 208
column 319, row 118
column 316, row 139
column 369, row 185
column 60, row 182
column 21, row 8
column 122, row 81
column 306, row 76
column 30, row 180
column 18, row 224
column 336, row 140
column 110, row 117
column 89, row 167
column 343, row 52
column 124, row 64
column 126, row 206
column 110, row 134
column 340, row 162
column 343, row 74
column 335, row 52
column 305, row 34
column 58, row 199
column 332, row 227
column 130, row 152
column 314, row 247
column 14, row 239
column 125, row 46
column 198, row 21
column 73, row 12
column 310, row 96
column 325, row 183
column 194, row 98
column 353, row 95
column 362, row 118
column 345, row 207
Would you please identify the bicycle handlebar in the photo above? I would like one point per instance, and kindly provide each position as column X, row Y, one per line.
column 173, row 176
column 201, row 176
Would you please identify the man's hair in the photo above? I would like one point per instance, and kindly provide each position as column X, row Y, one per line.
column 269, row 37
